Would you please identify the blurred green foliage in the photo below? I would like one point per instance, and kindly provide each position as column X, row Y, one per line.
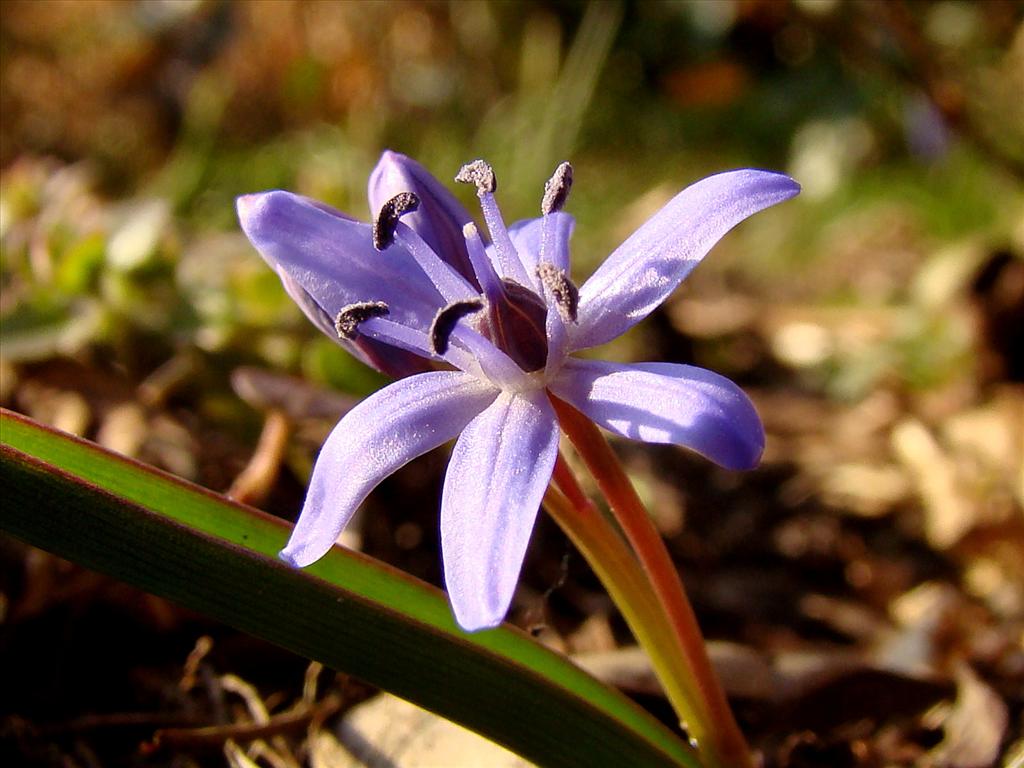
column 128, row 129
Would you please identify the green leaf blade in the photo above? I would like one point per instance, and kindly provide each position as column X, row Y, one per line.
column 179, row 541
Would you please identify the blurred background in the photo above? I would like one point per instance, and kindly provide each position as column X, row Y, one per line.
column 864, row 589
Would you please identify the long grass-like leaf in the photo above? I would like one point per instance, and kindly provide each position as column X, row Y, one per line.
column 354, row 614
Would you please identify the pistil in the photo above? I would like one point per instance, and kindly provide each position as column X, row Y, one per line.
column 489, row 280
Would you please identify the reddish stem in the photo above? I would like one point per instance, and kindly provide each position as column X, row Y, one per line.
column 724, row 740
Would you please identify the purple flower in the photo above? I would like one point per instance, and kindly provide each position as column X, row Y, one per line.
column 482, row 333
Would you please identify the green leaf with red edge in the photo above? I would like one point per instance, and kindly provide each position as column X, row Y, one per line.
column 350, row 612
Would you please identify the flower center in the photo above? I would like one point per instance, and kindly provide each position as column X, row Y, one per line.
column 500, row 307
column 515, row 323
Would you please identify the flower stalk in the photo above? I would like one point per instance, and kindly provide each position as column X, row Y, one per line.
column 695, row 692
column 620, row 572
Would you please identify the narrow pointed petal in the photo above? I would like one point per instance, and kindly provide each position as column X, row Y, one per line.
column 332, row 257
column 527, row 235
column 499, row 470
column 440, row 217
column 313, row 311
column 386, row 358
column 648, row 266
column 382, row 433
column 667, row 403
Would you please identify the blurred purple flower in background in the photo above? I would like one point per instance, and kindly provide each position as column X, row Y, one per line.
column 482, row 332
column 926, row 130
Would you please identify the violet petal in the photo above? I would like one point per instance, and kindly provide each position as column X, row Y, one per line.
column 332, row 257
column 387, row 359
column 386, row 430
column 526, row 237
column 440, row 217
column 667, row 403
column 496, row 478
column 648, row 266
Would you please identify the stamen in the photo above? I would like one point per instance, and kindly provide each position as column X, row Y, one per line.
column 556, row 192
column 387, row 228
column 562, row 289
column 479, row 173
column 412, row 340
column 348, row 320
column 446, row 319
column 450, row 284
column 556, row 189
column 386, row 221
